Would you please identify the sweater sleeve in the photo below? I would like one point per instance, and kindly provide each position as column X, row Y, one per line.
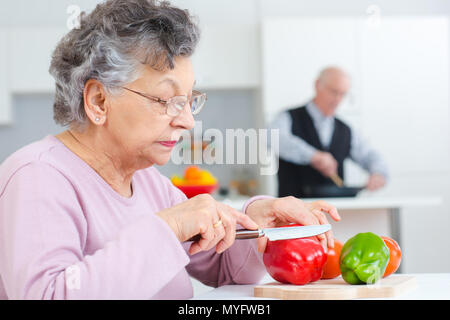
column 239, row 264
column 42, row 237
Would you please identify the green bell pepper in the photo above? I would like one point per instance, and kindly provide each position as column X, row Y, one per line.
column 363, row 259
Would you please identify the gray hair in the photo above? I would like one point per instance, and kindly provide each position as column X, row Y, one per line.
column 110, row 45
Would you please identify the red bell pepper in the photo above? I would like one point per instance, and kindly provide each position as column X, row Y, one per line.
column 295, row 261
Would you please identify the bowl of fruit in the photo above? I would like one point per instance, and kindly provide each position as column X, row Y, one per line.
column 195, row 181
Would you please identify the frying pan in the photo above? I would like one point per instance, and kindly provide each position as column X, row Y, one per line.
column 331, row 191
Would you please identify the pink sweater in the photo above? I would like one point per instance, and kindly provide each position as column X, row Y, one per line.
column 66, row 234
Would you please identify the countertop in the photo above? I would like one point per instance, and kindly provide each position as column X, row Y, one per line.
column 430, row 286
column 359, row 202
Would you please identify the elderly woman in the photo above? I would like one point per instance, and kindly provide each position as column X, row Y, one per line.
column 85, row 214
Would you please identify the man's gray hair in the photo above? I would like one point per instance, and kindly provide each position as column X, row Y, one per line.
column 110, row 45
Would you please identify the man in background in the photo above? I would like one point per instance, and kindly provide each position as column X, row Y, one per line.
column 314, row 143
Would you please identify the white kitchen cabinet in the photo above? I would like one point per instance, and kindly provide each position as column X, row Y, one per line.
column 25, row 56
column 294, row 52
column 404, row 65
column 30, row 55
column 5, row 96
column 227, row 57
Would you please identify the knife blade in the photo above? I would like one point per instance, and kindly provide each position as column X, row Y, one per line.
column 283, row 233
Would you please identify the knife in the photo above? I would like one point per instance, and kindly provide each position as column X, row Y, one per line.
column 282, row 233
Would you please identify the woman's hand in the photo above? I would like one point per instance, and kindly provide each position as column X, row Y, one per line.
column 275, row 212
column 214, row 221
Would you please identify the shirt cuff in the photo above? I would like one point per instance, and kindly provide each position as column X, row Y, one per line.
column 308, row 153
column 379, row 170
column 253, row 199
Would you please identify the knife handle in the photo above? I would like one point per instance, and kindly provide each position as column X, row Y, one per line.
column 337, row 180
column 241, row 234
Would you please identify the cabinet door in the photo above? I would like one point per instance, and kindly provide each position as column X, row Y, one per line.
column 294, row 52
column 227, row 57
column 5, row 97
column 31, row 52
column 405, row 91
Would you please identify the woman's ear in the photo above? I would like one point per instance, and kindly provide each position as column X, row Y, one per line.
column 94, row 101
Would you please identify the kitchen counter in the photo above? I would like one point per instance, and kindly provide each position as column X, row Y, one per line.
column 430, row 286
column 360, row 202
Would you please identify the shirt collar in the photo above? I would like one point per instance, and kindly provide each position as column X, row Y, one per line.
column 316, row 114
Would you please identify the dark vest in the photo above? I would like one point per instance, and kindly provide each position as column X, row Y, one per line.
column 294, row 178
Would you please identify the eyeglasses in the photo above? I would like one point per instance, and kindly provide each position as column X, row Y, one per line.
column 176, row 104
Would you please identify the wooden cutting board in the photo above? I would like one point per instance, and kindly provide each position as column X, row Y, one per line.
column 337, row 289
